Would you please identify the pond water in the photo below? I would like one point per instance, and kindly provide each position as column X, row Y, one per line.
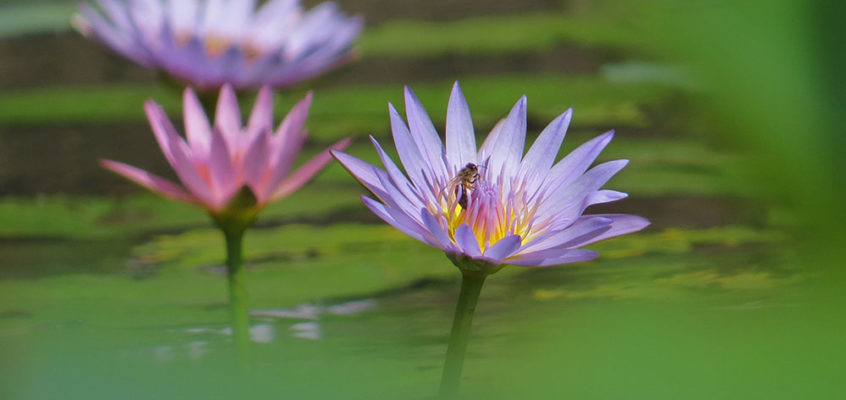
column 109, row 292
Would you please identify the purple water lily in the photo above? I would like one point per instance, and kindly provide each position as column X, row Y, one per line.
column 209, row 43
column 517, row 209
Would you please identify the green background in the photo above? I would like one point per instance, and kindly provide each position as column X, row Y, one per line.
column 731, row 115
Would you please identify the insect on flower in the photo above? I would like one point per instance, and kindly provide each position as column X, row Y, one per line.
column 493, row 205
column 463, row 181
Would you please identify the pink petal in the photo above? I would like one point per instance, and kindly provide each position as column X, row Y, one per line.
column 222, row 172
column 228, row 116
column 178, row 154
column 257, row 163
column 281, row 158
column 150, row 181
column 293, row 123
column 197, row 127
column 261, row 118
column 308, row 170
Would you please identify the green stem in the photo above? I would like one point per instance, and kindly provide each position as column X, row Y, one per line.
column 239, row 311
column 471, row 287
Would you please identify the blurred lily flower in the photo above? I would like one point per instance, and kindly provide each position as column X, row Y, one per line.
column 227, row 168
column 494, row 206
column 212, row 42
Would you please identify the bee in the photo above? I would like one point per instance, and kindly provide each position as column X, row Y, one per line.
column 463, row 181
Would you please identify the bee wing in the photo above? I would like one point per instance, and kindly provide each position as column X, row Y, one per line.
column 453, row 183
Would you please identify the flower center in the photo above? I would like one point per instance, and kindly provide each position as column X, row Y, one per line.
column 491, row 213
column 215, row 45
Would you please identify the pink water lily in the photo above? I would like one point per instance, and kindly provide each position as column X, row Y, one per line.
column 207, row 43
column 520, row 209
column 219, row 161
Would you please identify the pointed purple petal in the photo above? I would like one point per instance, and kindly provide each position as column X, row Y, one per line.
column 460, row 136
column 577, row 162
column 508, row 151
column 424, row 134
column 569, row 201
column 408, row 152
column 489, row 144
column 401, row 222
column 541, row 155
column 543, row 260
column 503, row 248
column 604, row 196
column 621, row 224
column 364, row 172
column 467, row 242
column 437, row 231
column 584, row 229
column 397, row 178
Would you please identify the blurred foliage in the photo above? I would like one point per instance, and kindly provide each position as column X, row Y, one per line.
column 338, row 112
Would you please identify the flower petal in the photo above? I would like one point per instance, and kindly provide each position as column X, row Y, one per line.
column 261, row 118
column 467, row 242
column 437, row 231
column 460, row 136
column 505, row 158
column 504, row 248
column 585, row 228
column 228, row 116
column 364, row 172
column 197, row 127
column 150, row 181
column 399, row 221
column 540, row 157
column 178, row 155
column 424, row 134
column 256, row 161
column 397, row 178
column 621, row 224
column 293, row 123
column 409, row 154
column 568, row 202
column 577, row 162
column 308, row 170
column 555, row 257
column 222, row 173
